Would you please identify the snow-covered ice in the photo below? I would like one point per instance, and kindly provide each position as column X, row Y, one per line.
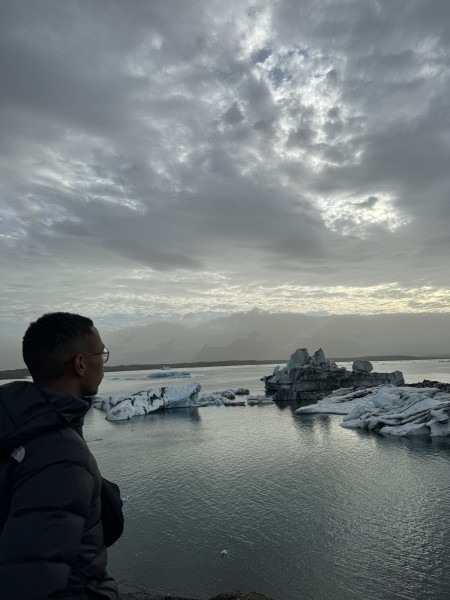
column 389, row 409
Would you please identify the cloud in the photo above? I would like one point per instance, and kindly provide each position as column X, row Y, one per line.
column 164, row 158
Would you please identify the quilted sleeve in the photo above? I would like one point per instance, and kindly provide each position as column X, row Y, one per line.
column 41, row 537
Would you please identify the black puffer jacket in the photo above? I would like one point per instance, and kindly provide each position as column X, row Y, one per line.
column 51, row 545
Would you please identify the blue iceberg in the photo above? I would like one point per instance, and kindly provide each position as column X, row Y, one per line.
column 166, row 374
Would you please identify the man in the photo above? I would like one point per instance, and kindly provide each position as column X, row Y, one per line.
column 52, row 542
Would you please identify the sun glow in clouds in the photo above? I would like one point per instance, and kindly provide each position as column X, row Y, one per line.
column 348, row 216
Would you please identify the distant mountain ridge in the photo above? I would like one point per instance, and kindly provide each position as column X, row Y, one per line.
column 241, row 348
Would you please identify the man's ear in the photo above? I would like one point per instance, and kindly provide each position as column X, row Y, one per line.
column 79, row 364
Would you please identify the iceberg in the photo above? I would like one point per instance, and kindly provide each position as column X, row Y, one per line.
column 389, row 409
column 166, row 374
column 224, row 397
column 120, row 407
column 211, row 400
column 310, row 378
column 231, row 393
column 259, row 400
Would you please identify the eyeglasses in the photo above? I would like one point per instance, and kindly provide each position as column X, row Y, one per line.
column 104, row 354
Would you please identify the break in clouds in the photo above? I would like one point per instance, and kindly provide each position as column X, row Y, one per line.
column 169, row 158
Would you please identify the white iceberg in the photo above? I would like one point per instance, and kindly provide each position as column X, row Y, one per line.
column 390, row 409
column 120, row 407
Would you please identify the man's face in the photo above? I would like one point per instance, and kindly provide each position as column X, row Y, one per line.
column 93, row 374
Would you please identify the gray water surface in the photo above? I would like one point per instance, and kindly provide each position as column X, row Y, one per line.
column 305, row 508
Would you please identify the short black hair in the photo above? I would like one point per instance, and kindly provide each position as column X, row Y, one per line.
column 49, row 339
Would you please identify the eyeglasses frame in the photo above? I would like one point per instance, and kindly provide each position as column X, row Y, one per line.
column 104, row 354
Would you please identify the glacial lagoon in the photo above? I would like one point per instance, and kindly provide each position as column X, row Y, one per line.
column 305, row 508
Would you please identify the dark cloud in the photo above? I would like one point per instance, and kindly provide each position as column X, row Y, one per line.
column 370, row 202
column 233, row 115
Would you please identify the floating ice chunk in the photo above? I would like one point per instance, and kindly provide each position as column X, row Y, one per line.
column 408, row 429
column 181, row 396
column 126, row 406
column 228, row 394
column 241, row 391
column 219, row 398
column 390, row 410
column 166, row 374
column 210, row 400
column 259, row 400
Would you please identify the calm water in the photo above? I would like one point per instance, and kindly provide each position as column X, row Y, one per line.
column 305, row 508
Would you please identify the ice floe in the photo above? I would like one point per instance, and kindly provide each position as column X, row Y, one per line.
column 120, row 407
column 259, row 400
column 211, row 400
column 223, row 398
column 388, row 409
column 166, row 374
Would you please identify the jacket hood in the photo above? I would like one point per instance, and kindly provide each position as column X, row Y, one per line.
column 27, row 411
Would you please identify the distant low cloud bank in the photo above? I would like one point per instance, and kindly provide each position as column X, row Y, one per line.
column 260, row 335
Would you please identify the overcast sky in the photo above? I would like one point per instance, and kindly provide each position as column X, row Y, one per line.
column 168, row 159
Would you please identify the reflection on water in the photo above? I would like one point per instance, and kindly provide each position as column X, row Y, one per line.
column 189, row 413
